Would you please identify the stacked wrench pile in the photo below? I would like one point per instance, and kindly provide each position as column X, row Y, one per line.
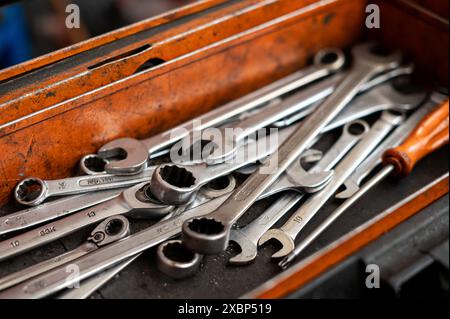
column 192, row 197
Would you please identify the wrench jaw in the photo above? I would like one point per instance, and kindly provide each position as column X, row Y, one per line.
column 403, row 102
column 350, row 188
column 173, row 184
column 224, row 150
column 31, row 191
column 133, row 156
column 367, row 54
column 248, row 253
column 308, row 182
column 286, row 241
column 205, row 235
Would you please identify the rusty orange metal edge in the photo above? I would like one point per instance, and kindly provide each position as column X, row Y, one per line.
column 200, row 53
column 317, row 264
column 64, row 53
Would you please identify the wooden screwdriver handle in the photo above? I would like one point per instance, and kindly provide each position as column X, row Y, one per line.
column 429, row 135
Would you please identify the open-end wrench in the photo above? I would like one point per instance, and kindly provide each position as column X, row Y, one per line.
column 430, row 134
column 247, row 237
column 135, row 198
column 394, row 139
column 223, row 142
column 33, row 191
column 210, row 234
column 55, row 209
column 287, row 233
column 136, row 152
column 381, row 98
column 108, row 231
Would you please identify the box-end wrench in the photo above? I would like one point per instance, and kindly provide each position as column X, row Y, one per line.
column 395, row 138
column 55, row 209
column 287, row 233
column 430, row 134
column 381, row 98
column 135, row 198
column 32, row 191
column 137, row 153
column 108, row 231
column 210, row 234
column 248, row 236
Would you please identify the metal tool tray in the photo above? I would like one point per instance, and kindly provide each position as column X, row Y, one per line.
column 49, row 143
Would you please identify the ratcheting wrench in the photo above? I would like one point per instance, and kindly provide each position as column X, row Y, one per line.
column 135, row 198
column 33, row 191
column 287, row 233
column 247, row 237
column 394, row 139
column 108, row 231
column 136, row 152
column 58, row 208
column 210, row 234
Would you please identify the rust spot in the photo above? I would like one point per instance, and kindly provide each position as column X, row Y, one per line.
column 327, row 19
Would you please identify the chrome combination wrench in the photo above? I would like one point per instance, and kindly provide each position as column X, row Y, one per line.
column 32, row 191
column 210, row 234
column 137, row 153
column 247, row 237
column 287, row 233
column 46, row 212
column 110, row 230
column 135, row 198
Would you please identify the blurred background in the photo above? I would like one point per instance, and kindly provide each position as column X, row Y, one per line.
column 30, row 28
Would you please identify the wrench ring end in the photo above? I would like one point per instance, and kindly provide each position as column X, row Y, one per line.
column 333, row 58
column 173, row 184
column 177, row 261
column 31, row 191
column 93, row 164
column 205, row 235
